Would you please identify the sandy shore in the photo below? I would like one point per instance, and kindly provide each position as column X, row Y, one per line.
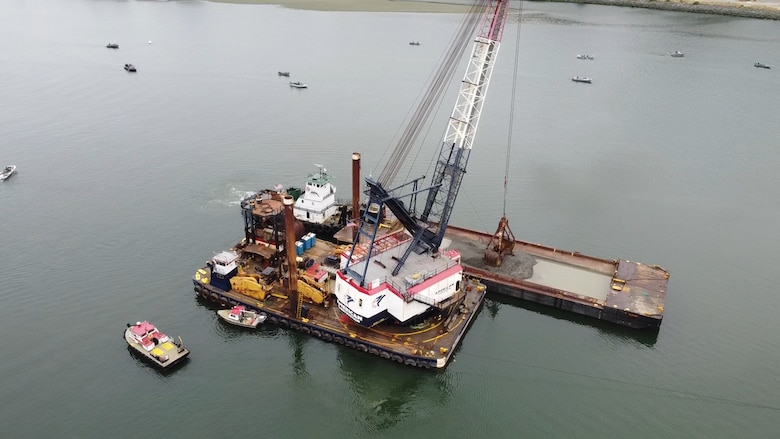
column 766, row 9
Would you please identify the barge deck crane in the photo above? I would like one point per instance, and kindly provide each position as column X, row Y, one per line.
column 405, row 275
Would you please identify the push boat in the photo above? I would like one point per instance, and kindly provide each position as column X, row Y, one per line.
column 762, row 65
column 130, row 68
column 583, row 79
column 7, row 172
column 161, row 350
column 240, row 316
column 298, row 84
column 316, row 208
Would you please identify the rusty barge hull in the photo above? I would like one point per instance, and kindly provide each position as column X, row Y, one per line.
column 622, row 292
column 429, row 345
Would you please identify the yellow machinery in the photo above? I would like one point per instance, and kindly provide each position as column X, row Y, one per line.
column 311, row 290
column 248, row 286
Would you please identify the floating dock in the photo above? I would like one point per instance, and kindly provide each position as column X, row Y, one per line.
column 623, row 292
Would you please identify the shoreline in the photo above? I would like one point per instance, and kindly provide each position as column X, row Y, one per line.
column 761, row 9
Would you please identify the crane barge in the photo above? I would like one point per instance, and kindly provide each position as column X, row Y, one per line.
column 401, row 294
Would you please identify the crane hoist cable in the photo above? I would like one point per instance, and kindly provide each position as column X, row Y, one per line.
column 439, row 84
column 512, row 106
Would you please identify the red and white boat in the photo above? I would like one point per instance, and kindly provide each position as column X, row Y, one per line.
column 161, row 350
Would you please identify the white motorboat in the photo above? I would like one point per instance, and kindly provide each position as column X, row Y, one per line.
column 7, row 172
column 240, row 316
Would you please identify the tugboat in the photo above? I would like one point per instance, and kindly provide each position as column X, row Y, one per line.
column 162, row 351
column 317, row 208
column 130, row 68
column 7, row 172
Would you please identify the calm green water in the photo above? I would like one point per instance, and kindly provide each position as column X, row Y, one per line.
column 127, row 183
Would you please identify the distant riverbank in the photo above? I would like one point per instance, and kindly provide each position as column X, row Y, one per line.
column 764, row 9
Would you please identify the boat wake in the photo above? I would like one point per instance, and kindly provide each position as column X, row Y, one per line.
column 229, row 194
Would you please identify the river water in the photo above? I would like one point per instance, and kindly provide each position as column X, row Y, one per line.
column 127, row 183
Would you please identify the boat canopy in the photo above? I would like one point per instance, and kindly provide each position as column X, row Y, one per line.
column 142, row 328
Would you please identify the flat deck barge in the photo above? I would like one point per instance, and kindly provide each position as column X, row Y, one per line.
column 624, row 292
column 430, row 343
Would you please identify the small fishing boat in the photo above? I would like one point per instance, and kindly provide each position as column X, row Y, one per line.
column 585, row 57
column 7, row 172
column 147, row 341
column 584, row 79
column 130, row 67
column 414, row 43
column 285, row 74
column 298, row 84
column 112, row 46
column 678, row 54
column 240, row 316
column 762, row 65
